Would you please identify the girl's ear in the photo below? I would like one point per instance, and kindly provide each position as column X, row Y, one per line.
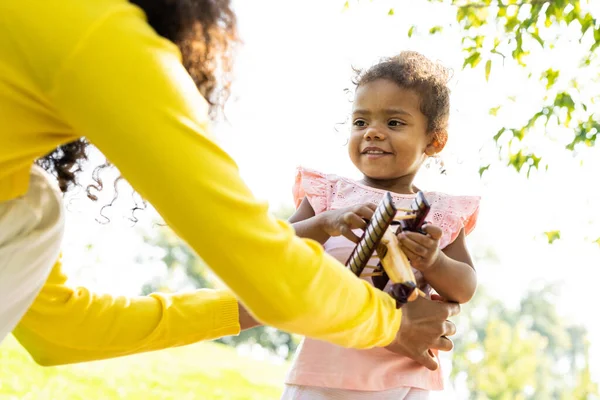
column 430, row 150
column 437, row 144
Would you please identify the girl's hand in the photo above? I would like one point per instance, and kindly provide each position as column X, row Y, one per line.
column 341, row 222
column 423, row 251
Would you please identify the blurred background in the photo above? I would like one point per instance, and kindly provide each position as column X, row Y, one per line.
column 523, row 126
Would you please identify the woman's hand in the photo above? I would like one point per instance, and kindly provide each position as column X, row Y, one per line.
column 246, row 320
column 425, row 326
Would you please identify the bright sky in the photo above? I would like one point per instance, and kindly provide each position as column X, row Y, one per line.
column 290, row 80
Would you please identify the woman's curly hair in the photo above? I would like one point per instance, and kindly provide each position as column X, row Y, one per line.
column 205, row 32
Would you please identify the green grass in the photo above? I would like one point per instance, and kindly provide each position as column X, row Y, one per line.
column 200, row 371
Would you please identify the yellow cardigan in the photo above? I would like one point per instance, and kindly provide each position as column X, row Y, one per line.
column 95, row 68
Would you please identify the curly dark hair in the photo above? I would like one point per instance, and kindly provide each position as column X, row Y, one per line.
column 206, row 33
column 413, row 71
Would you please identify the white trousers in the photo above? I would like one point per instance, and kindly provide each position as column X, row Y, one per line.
column 292, row 392
column 31, row 231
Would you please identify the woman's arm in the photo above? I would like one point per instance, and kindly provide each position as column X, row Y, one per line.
column 124, row 88
column 68, row 325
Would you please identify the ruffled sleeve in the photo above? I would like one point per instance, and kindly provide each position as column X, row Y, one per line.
column 315, row 186
column 453, row 213
column 470, row 205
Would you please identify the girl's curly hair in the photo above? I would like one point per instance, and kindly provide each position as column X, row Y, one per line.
column 206, row 33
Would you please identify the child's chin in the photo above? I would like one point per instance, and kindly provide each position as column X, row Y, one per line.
column 376, row 171
column 377, row 175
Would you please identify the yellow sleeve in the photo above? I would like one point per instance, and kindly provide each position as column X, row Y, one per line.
column 125, row 89
column 67, row 325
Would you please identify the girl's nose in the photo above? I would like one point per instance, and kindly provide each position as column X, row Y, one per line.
column 372, row 133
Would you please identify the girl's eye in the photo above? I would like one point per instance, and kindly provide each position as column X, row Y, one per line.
column 359, row 122
column 396, row 123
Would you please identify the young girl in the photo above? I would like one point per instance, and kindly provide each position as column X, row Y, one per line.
column 399, row 119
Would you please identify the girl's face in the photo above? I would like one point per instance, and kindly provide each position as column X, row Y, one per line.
column 389, row 139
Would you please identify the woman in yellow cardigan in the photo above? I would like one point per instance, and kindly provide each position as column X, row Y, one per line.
column 125, row 75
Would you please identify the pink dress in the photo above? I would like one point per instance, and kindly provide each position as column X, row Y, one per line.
column 324, row 366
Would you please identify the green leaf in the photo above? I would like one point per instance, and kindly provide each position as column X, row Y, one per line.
column 499, row 134
column 472, row 60
column 552, row 236
column 573, row 15
column 564, row 100
column 435, row 29
column 550, row 75
column 518, row 133
column 479, row 41
column 411, row 31
column 596, row 39
column 494, row 110
column 586, row 23
column 479, row 17
column 511, row 23
column 488, row 69
column 496, row 42
column 518, row 53
column 586, row 132
column 535, row 161
column 485, row 168
column 501, row 11
column 391, row 12
column 461, row 13
column 537, row 37
column 517, row 160
column 554, row 10
column 546, row 112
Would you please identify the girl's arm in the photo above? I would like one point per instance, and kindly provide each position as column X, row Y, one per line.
column 306, row 224
column 453, row 275
column 340, row 222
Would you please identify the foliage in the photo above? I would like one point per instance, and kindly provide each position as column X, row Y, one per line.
column 523, row 353
column 498, row 34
